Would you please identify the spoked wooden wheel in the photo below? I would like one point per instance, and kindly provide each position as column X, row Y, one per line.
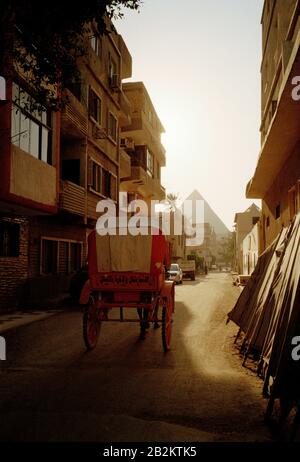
column 167, row 311
column 91, row 324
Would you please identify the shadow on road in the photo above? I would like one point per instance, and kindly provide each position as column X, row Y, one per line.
column 197, row 385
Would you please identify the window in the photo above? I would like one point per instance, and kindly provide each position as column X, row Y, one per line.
column 95, row 106
column 60, row 256
column 278, row 212
column 80, row 90
column 31, row 129
column 96, row 44
column 63, row 266
column 49, row 258
column 112, row 69
column 9, row 239
column 96, row 177
column 103, row 181
column 2, row 89
column 255, row 220
column 150, row 163
column 70, row 170
column 112, row 126
column 268, row 222
column 109, row 185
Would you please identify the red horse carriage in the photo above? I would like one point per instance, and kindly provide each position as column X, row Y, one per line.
column 127, row 271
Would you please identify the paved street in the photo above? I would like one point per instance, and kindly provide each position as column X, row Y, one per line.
column 127, row 389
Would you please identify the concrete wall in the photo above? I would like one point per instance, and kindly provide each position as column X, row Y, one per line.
column 32, row 179
column 279, row 195
column 244, row 225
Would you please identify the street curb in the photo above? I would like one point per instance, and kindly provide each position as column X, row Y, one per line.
column 19, row 319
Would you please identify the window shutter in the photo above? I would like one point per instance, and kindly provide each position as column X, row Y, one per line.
column 90, row 172
column 89, row 92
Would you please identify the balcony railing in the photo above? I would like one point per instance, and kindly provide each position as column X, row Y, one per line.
column 74, row 118
column 72, row 198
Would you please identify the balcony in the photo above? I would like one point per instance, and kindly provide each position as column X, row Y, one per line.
column 74, row 122
column 283, row 133
column 140, row 182
column 143, row 134
column 72, row 198
column 33, row 181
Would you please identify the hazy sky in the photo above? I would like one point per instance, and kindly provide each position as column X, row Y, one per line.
column 200, row 61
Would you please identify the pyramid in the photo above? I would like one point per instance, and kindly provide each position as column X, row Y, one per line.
column 210, row 216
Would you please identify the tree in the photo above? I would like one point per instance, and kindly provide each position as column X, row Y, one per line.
column 226, row 251
column 46, row 39
column 199, row 260
column 172, row 201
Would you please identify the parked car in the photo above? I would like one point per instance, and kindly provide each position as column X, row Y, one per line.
column 175, row 273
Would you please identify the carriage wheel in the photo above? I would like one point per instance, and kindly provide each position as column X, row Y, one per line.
column 167, row 323
column 91, row 325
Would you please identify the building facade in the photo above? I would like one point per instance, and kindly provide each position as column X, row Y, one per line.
column 141, row 141
column 244, row 223
column 250, row 250
column 29, row 179
column 56, row 167
column 277, row 176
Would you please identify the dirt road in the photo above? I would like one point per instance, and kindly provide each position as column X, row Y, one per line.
column 51, row 389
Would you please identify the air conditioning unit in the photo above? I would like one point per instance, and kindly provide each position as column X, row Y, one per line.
column 99, row 133
column 127, row 144
column 114, row 82
column 123, row 143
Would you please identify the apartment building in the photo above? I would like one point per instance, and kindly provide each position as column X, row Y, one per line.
column 141, row 140
column 55, row 169
column 276, row 179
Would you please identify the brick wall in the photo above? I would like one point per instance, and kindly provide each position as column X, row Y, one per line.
column 14, row 270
